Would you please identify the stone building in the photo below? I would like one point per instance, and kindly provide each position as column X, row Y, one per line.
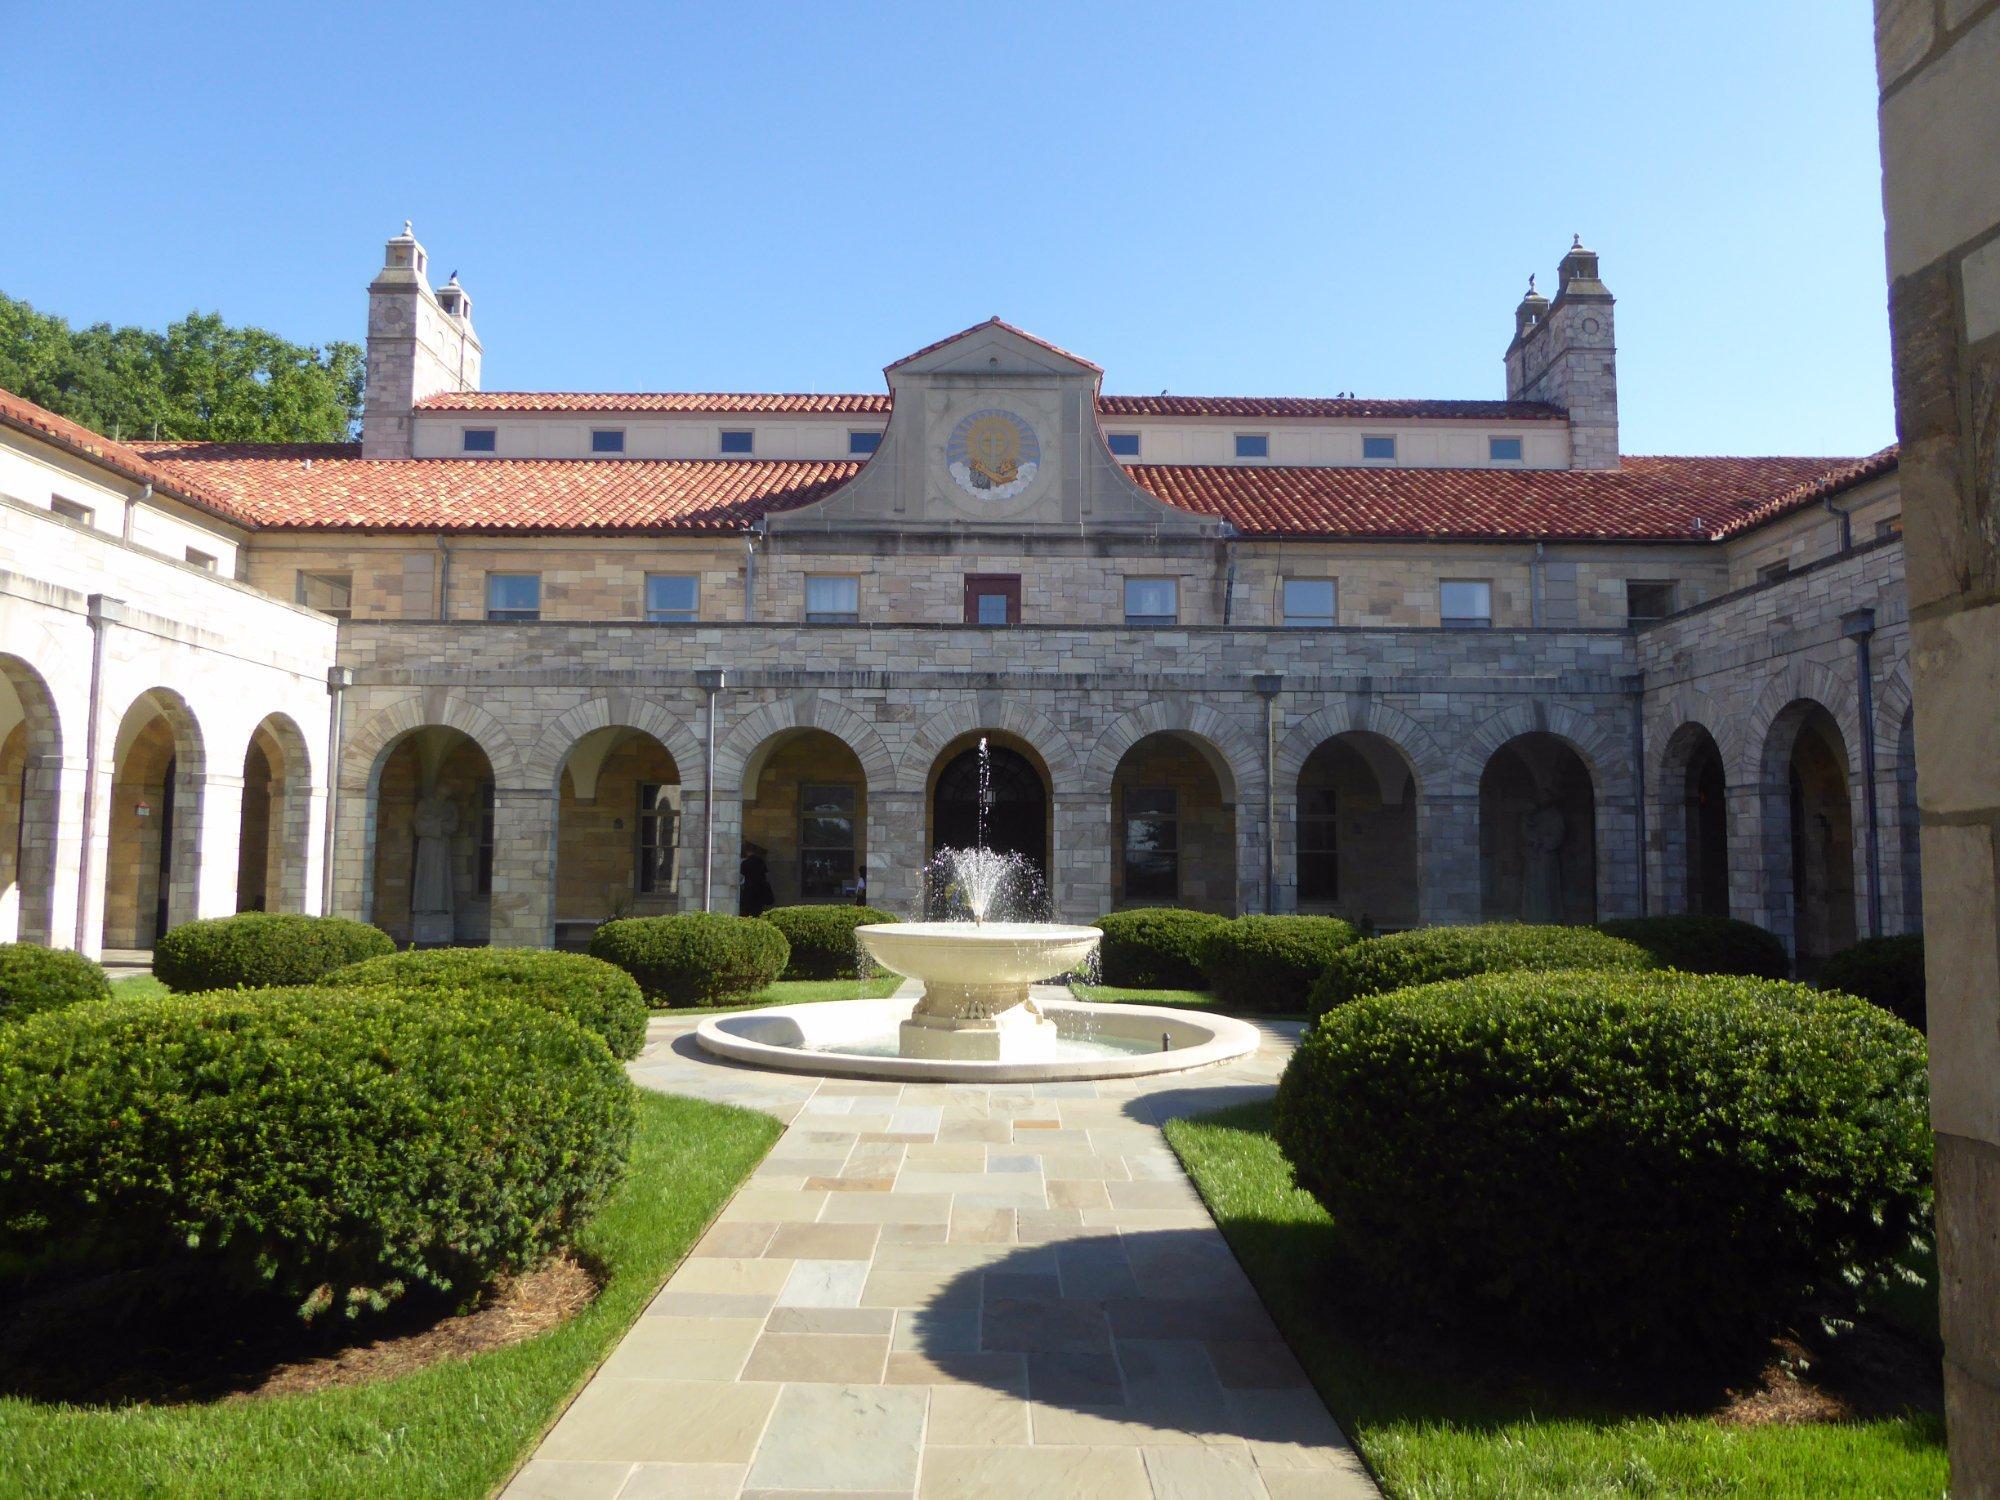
column 1402, row 660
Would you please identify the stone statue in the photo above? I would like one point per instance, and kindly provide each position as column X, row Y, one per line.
column 1542, row 831
column 431, row 886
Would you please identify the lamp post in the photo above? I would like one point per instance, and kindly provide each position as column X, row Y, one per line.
column 710, row 680
column 1269, row 685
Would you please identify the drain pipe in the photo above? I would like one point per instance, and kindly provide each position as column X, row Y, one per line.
column 710, row 680
column 751, row 537
column 1639, row 785
column 1535, row 612
column 1846, row 523
column 337, row 680
column 1268, row 687
column 132, row 504
column 1858, row 625
column 1228, row 541
column 105, row 612
column 443, row 577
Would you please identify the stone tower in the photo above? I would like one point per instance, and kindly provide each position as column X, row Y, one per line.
column 420, row 342
column 1565, row 353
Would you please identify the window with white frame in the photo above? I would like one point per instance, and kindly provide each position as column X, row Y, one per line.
column 1465, row 603
column 833, row 599
column 1310, row 603
column 1253, row 445
column 1503, row 450
column 1152, row 601
column 513, row 596
column 672, row 598
column 1379, row 447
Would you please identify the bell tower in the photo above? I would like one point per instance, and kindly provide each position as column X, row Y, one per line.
column 1564, row 352
column 420, row 342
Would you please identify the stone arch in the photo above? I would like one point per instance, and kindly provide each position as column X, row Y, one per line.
column 31, row 750
column 736, row 756
column 551, row 752
column 1579, row 731
column 994, row 710
column 275, row 824
column 153, row 832
column 361, row 760
column 1800, row 681
column 1428, row 763
column 1810, row 821
column 1893, row 704
column 1227, row 749
column 1690, row 830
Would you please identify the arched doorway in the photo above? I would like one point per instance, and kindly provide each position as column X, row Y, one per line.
column 1004, row 808
column 1173, row 825
column 1696, row 836
column 30, row 755
column 276, row 822
column 1357, row 831
column 1537, row 833
column 618, row 820
column 152, row 862
column 433, row 826
column 1821, row 829
column 805, row 822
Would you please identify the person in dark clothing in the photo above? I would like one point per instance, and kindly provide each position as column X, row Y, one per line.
column 754, row 895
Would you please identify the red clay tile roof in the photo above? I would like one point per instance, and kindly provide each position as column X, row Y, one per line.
column 852, row 403
column 1325, row 407
column 719, row 402
column 993, row 322
column 121, row 458
column 329, row 487
column 1812, row 491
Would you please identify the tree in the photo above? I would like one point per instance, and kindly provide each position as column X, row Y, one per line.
column 201, row 380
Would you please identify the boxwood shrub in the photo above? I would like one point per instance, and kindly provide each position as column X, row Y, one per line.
column 1270, row 963
column 1706, row 945
column 34, row 978
column 1888, row 971
column 697, row 958
column 1425, row 954
column 1661, row 1166
column 1155, row 947
column 337, row 1149
column 259, row 950
column 822, row 938
column 600, row 997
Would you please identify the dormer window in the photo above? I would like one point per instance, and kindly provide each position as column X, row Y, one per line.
column 738, row 442
column 1379, row 447
column 607, row 440
column 1253, row 445
column 1503, row 450
column 478, row 440
column 1123, row 444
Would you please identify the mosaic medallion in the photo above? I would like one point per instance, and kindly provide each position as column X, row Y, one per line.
column 993, row 454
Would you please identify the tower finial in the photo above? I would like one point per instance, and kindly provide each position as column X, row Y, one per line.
column 1576, row 242
column 1531, row 283
column 407, row 229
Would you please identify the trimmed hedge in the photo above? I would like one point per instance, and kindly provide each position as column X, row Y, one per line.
column 822, row 938
column 1155, row 947
column 600, row 997
column 697, row 958
column 1661, row 1166
column 1888, row 971
column 338, row 1149
column 1427, row 954
column 34, row 978
column 1705, row 945
column 1270, row 963
column 260, row 950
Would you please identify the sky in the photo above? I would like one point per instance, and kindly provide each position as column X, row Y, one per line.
column 1250, row 199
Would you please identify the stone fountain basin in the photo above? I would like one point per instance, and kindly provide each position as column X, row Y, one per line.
column 978, row 953
column 776, row 1037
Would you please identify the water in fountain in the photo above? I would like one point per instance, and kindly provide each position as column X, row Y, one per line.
column 978, row 885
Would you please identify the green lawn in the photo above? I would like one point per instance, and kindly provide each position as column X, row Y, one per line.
column 455, row 1429
column 800, row 992
column 1111, row 994
column 137, row 987
column 1434, row 1434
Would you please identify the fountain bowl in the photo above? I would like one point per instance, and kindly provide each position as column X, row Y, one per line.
column 976, row 978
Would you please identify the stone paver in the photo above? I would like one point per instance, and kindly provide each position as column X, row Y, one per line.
column 934, row 1291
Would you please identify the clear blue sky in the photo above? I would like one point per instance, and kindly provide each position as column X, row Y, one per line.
column 1274, row 199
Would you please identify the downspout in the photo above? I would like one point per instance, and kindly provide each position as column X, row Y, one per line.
column 1535, row 587
column 1639, row 788
column 1268, row 687
column 444, row 577
column 337, row 678
column 1228, row 571
column 1858, row 625
column 132, row 504
column 751, row 538
column 104, row 612
column 710, row 679
column 1846, row 523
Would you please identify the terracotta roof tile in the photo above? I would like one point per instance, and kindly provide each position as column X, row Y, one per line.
column 1325, row 408
column 852, row 403
column 1812, row 491
column 121, row 458
column 718, row 402
column 993, row 322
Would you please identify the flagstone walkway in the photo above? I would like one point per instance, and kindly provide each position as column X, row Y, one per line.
column 953, row 1291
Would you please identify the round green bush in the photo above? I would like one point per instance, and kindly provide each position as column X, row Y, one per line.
column 1270, row 963
column 337, row 1149
column 1705, row 945
column 822, row 938
column 600, row 997
column 1425, row 954
column 1660, row 1166
column 697, row 958
column 1155, row 947
column 259, row 950
column 1889, row 971
column 34, row 978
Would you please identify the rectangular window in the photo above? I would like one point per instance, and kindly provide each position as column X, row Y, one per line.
column 1503, row 450
column 993, row 599
column 738, row 441
column 197, row 558
column 513, row 596
column 1309, row 603
column 83, row 515
column 1465, row 603
column 1772, row 572
column 826, row 841
column 833, row 600
column 1379, row 446
column 482, row 870
column 1123, row 444
column 861, row 444
column 478, row 440
column 658, row 838
column 607, row 440
column 671, row 597
column 1648, row 599
column 1253, row 445
column 1152, row 844
column 1152, row 601
column 329, row 593
column 1319, row 846
column 1885, row 530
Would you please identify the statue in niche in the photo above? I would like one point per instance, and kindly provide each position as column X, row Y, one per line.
column 431, row 887
column 1542, row 830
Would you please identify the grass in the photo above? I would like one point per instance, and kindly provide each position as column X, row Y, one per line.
column 1439, row 1434
column 137, row 987
column 1111, row 994
column 799, row 992
column 457, row 1428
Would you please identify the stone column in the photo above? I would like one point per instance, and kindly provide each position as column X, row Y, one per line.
column 1080, row 859
column 45, row 874
column 1448, row 857
column 1285, row 851
column 304, row 880
column 1619, row 859
column 91, row 859
column 1760, row 865
column 728, row 849
column 1939, row 68
column 524, row 868
column 354, row 852
column 895, row 851
column 208, row 838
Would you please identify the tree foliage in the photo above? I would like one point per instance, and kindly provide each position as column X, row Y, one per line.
column 201, row 380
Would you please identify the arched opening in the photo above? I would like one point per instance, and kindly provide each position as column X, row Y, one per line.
column 1911, row 845
column 1821, row 827
column 1173, row 822
column 433, row 822
column 1006, row 809
column 152, row 862
column 1537, row 833
column 1357, row 831
column 805, row 823
column 618, row 818
column 271, row 843
column 30, row 761
column 1696, row 836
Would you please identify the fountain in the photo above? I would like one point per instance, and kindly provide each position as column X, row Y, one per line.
column 985, row 1013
